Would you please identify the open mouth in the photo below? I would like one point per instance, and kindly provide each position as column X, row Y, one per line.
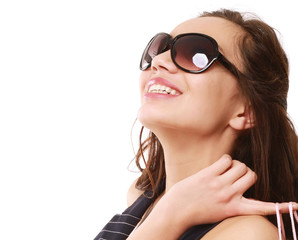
column 157, row 88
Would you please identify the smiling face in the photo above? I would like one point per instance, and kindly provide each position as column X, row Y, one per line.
column 201, row 103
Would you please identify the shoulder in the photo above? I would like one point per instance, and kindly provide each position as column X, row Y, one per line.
column 244, row 227
column 133, row 193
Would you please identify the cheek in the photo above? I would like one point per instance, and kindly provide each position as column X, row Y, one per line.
column 212, row 102
column 143, row 79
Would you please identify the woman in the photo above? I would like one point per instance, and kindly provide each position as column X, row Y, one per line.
column 204, row 107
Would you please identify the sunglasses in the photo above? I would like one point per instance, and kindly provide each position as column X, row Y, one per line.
column 191, row 52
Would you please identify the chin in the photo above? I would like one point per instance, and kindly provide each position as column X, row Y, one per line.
column 152, row 117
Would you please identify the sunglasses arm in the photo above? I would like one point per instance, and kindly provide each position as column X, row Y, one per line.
column 228, row 65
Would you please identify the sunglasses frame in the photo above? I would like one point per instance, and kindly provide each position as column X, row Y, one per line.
column 171, row 42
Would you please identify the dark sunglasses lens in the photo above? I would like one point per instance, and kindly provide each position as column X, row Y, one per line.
column 194, row 52
column 157, row 45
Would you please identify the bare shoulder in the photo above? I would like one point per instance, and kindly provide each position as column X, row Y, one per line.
column 244, row 228
column 133, row 193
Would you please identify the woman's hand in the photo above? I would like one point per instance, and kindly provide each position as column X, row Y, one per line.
column 213, row 194
column 209, row 196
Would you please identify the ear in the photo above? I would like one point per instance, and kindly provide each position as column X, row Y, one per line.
column 244, row 119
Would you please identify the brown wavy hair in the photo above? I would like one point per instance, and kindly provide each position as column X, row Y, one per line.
column 269, row 148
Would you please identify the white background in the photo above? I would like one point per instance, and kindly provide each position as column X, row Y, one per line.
column 68, row 100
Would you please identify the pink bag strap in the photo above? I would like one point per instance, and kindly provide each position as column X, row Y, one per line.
column 291, row 212
column 280, row 225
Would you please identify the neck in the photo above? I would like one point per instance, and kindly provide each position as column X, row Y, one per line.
column 186, row 153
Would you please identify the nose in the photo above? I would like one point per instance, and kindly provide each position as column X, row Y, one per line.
column 163, row 62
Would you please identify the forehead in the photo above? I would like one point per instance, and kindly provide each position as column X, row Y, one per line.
column 223, row 31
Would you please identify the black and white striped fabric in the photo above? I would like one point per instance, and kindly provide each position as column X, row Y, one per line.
column 121, row 225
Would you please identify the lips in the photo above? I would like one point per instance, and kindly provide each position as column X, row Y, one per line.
column 162, row 86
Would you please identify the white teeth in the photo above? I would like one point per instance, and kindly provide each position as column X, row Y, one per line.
column 168, row 89
column 156, row 88
column 173, row 92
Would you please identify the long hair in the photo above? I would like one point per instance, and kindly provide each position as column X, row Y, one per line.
column 270, row 147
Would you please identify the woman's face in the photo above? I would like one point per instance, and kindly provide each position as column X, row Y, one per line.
column 201, row 103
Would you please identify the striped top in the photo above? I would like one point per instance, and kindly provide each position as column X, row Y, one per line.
column 121, row 225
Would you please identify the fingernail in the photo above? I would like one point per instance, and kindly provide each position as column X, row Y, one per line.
column 295, row 205
column 228, row 157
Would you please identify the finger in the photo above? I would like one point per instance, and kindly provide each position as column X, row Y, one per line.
column 251, row 207
column 220, row 166
column 243, row 183
column 236, row 171
column 295, row 206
